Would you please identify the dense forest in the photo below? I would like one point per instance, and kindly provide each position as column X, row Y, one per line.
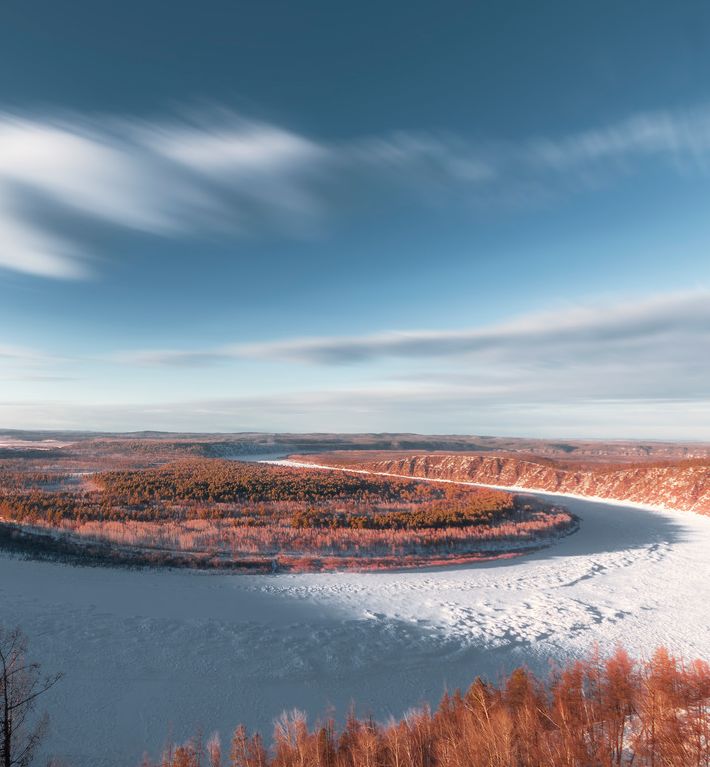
column 254, row 494
column 221, row 513
column 598, row 712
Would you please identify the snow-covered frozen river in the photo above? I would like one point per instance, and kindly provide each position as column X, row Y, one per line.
column 147, row 654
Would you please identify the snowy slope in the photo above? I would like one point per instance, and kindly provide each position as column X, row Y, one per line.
column 154, row 652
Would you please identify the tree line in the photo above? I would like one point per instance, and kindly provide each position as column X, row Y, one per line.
column 220, row 481
column 597, row 712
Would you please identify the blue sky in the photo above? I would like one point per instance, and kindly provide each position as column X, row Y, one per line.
column 358, row 217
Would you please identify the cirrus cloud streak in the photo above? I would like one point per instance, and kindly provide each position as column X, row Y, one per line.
column 658, row 348
column 218, row 171
column 675, row 321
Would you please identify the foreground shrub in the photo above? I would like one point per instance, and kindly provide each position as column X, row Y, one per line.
column 599, row 712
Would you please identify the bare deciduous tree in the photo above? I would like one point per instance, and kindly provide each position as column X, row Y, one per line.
column 21, row 684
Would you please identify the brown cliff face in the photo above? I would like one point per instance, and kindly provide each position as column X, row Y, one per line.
column 684, row 486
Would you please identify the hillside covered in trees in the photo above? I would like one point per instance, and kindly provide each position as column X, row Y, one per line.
column 217, row 513
column 681, row 483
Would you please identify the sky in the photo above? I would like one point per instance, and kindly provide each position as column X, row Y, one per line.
column 484, row 218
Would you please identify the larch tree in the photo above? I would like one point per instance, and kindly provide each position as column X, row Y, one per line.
column 21, row 685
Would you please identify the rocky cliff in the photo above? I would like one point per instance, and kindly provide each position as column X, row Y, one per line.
column 683, row 485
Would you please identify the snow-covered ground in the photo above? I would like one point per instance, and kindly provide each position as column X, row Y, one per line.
column 11, row 443
column 147, row 654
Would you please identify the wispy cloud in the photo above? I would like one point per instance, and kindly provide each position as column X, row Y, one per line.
column 22, row 364
column 591, row 329
column 679, row 136
column 167, row 179
column 22, row 354
column 375, row 410
column 658, row 348
column 69, row 166
column 220, row 171
column 640, row 368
